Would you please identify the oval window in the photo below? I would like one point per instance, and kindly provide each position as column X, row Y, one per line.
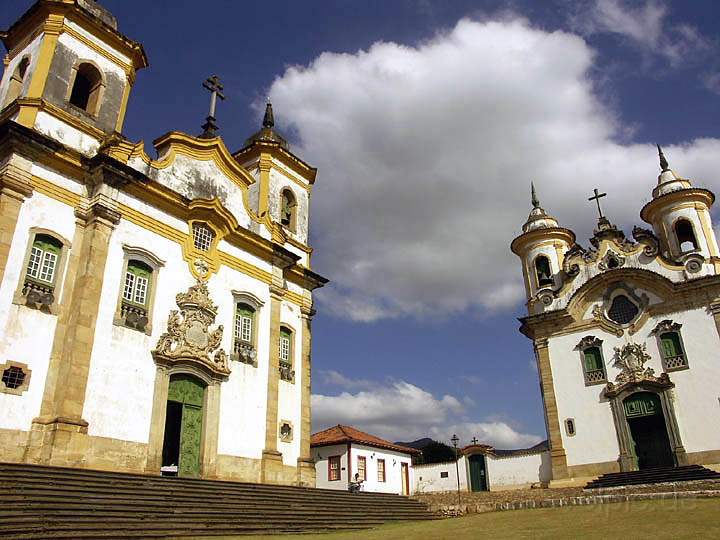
column 622, row 310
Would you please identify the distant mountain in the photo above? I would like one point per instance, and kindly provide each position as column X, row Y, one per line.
column 432, row 451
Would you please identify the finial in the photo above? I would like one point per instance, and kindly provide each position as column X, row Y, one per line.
column 663, row 162
column 268, row 119
column 533, row 196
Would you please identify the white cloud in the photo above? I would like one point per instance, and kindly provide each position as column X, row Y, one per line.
column 403, row 411
column 647, row 25
column 425, row 155
column 335, row 378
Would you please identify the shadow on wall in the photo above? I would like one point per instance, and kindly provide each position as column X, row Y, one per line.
column 545, row 472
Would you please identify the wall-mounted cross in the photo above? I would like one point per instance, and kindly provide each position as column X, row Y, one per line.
column 215, row 87
column 474, row 440
column 597, row 198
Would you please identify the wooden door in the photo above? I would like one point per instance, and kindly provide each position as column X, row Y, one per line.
column 478, row 479
column 190, row 392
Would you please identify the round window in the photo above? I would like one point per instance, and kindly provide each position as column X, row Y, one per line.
column 622, row 310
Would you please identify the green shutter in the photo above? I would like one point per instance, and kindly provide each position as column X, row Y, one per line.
column 243, row 310
column 47, row 243
column 593, row 359
column 139, row 269
column 284, row 333
column 670, row 345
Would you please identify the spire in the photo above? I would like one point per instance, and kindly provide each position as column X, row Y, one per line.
column 533, row 196
column 268, row 119
column 663, row 162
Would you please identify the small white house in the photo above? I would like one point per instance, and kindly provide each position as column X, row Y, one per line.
column 340, row 452
column 484, row 468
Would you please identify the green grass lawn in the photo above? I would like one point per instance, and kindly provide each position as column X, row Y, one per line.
column 686, row 518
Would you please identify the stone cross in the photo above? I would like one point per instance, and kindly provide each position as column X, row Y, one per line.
column 474, row 440
column 215, row 87
column 597, row 198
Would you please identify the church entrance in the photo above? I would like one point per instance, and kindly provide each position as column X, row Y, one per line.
column 183, row 426
column 645, row 418
column 478, row 477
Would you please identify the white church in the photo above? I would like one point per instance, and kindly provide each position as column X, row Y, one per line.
column 627, row 335
column 155, row 312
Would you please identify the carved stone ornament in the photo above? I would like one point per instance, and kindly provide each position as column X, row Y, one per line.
column 631, row 359
column 666, row 326
column 546, row 297
column 611, row 260
column 588, row 341
column 188, row 340
column 693, row 263
column 651, row 245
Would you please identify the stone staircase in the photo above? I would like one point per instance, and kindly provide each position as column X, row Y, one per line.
column 53, row 502
column 686, row 473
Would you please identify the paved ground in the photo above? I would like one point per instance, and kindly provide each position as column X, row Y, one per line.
column 684, row 518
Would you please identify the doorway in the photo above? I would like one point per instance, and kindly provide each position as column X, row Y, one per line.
column 405, row 478
column 648, row 430
column 478, row 476
column 183, row 426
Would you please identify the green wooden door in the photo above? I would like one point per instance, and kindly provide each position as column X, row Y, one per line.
column 190, row 392
column 651, row 444
column 478, row 478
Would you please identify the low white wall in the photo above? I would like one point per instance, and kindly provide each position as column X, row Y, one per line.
column 429, row 478
column 518, row 471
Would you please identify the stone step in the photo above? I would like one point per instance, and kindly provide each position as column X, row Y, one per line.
column 654, row 476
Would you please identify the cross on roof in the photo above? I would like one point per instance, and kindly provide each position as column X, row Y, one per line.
column 597, row 198
column 474, row 440
column 215, row 87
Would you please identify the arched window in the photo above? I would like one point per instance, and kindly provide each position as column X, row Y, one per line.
column 288, row 209
column 43, row 268
column 685, row 236
column 622, row 310
column 16, row 81
column 137, row 283
column 86, row 88
column 542, row 271
column 244, row 334
column 44, row 256
column 671, row 346
column 286, row 354
column 137, row 289
column 593, row 364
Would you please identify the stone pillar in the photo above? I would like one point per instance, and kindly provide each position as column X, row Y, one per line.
column 272, row 464
column 157, row 420
column 668, row 407
column 626, row 459
column 557, row 452
column 305, row 463
column 53, row 439
column 15, row 187
column 211, row 429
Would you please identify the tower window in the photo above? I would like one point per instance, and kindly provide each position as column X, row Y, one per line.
column 685, row 236
column 16, row 81
column 622, row 310
column 288, row 209
column 203, row 236
column 85, row 92
column 542, row 271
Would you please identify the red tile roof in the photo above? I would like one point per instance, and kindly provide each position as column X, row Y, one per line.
column 347, row 434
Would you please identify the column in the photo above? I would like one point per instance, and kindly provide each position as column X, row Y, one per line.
column 15, row 187
column 557, row 452
column 157, row 420
column 305, row 463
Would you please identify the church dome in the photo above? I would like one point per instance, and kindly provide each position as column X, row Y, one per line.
column 668, row 181
column 538, row 218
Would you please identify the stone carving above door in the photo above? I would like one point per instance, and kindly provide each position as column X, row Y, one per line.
column 631, row 359
column 189, row 341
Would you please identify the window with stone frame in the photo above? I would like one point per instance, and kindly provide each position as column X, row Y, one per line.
column 244, row 333
column 362, row 468
column 14, row 378
column 333, row 468
column 381, row 470
column 570, row 427
column 43, row 268
column 622, row 310
column 286, row 351
column 203, row 236
column 15, row 85
column 593, row 362
column 672, row 350
column 137, row 289
column 288, row 209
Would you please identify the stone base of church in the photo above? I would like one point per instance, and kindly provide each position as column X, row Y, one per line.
column 61, row 445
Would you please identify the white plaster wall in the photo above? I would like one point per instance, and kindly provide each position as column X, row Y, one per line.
column 100, row 43
column 321, row 455
column 86, row 53
column 518, row 470
column 428, row 479
column 289, row 394
column 29, row 50
column 243, row 398
column 60, row 131
column 46, row 173
column 393, row 478
column 696, row 389
column 27, row 334
column 278, row 182
column 118, row 400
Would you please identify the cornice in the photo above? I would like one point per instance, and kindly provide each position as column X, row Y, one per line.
column 287, row 158
column 701, row 195
column 519, row 244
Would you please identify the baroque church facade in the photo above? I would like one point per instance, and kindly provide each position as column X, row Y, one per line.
column 155, row 313
column 626, row 335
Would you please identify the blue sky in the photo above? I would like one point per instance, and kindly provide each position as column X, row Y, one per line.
column 427, row 121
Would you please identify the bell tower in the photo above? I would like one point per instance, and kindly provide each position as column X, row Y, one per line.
column 69, row 72
column 541, row 247
column 680, row 216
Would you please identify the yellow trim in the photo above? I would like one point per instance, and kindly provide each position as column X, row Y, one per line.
column 127, row 68
column 69, row 119
column 710, row 239
column 56, row 192
column 123, row 106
